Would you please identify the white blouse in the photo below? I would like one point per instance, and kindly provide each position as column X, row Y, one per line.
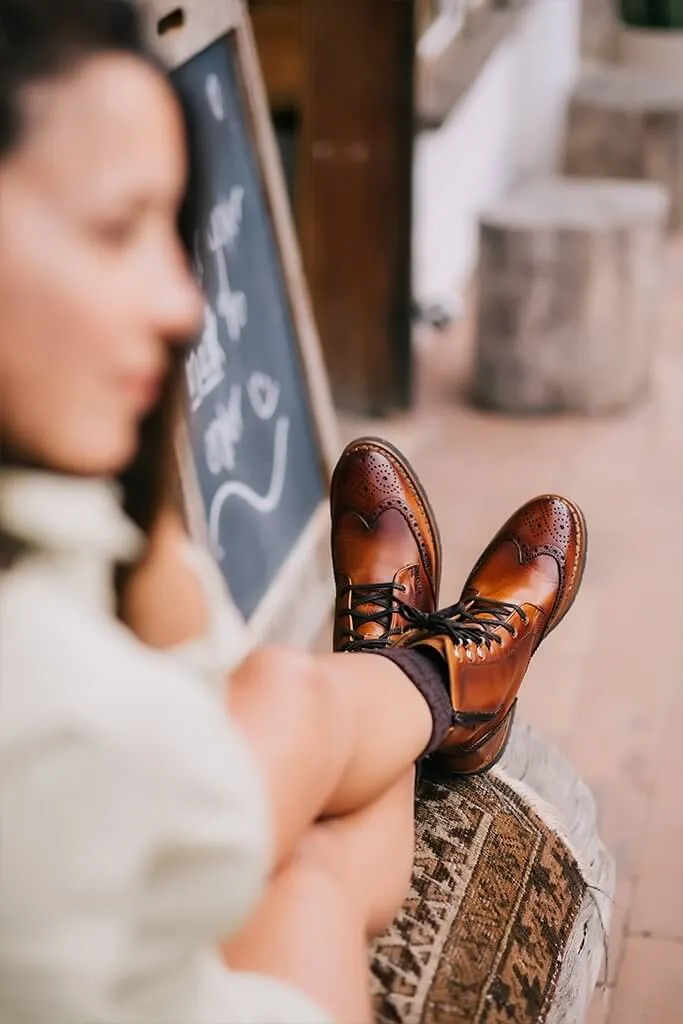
column 134, row 830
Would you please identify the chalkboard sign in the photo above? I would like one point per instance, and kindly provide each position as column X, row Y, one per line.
column 258, row 428
column 253, row 439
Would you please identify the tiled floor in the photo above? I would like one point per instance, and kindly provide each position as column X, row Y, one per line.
column 608, row 687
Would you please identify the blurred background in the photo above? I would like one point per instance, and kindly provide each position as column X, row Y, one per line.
column 489, row 201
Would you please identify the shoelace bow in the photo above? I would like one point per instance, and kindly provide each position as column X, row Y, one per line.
column 474, row 620
column 463, row 624
column 384, row 597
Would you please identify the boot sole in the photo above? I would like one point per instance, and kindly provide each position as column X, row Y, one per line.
column 488, row 751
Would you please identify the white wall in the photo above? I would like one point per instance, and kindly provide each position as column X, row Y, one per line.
column 509, row 125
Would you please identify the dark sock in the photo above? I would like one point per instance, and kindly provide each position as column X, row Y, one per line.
column 429, row 674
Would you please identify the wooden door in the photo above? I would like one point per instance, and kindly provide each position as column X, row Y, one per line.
column 339, row 75
column 356, row 182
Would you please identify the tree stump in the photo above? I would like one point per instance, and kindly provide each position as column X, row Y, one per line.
column 569, row 278
column 625, row 124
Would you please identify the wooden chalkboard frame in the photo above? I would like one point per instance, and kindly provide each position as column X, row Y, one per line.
column 299, row 600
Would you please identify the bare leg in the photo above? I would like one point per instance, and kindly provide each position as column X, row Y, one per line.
column 307, row 933
column 331, row 734
column 345, row 882
column 372, row 850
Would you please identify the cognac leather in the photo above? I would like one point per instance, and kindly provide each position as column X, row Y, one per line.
column 522, row 586
column 386, row 547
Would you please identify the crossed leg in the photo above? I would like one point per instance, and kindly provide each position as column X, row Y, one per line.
column 331, row 733
column 343, row 885
column 336, row 737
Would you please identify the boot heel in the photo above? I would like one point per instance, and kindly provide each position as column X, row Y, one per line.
column 484, row 755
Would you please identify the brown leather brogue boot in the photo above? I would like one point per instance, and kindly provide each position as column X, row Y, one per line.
column 520, row 589
column 386, row 547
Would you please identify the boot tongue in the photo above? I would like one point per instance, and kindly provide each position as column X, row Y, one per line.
column 370, row 577
column 377, row 574
column 373, row 556
column 377, row 555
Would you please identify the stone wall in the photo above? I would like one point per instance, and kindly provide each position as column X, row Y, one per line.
column 510, row 125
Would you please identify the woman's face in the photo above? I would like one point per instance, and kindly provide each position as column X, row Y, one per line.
column 94, row 286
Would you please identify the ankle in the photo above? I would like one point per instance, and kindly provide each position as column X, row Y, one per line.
column 429, row 674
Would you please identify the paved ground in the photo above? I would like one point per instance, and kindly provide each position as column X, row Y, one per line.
column 608, row 686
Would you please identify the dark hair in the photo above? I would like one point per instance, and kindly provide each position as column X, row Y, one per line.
column 41, row 39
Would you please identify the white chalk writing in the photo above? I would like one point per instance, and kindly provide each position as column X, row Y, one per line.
column 263, row 503
column 264, row 395
column 225, row 221
column 225, row 225
column 205, row 365
column 224, row 433
column 214, row 95
column 230, row 305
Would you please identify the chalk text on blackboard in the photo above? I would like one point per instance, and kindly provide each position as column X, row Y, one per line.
column 263, row 503
column 225, row 224
column 231, row 305
column 264, row 395
column 205, row 365
column 224, row 433
column 214, row 95
column 225, row 221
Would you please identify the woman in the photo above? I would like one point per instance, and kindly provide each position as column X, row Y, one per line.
column 169, row 851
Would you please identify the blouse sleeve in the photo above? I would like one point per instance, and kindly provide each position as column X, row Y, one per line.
column 135, row 836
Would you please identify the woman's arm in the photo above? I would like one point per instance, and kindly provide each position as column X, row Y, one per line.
column 163, row 599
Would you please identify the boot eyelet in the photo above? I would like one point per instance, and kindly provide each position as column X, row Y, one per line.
column 514, row 634
column 481, row 652
column 469, row 654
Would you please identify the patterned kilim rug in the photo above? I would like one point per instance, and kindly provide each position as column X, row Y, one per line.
column 507, row 915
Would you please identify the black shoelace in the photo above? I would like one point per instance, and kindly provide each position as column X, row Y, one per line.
column 471, row 621
column 384, row 600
